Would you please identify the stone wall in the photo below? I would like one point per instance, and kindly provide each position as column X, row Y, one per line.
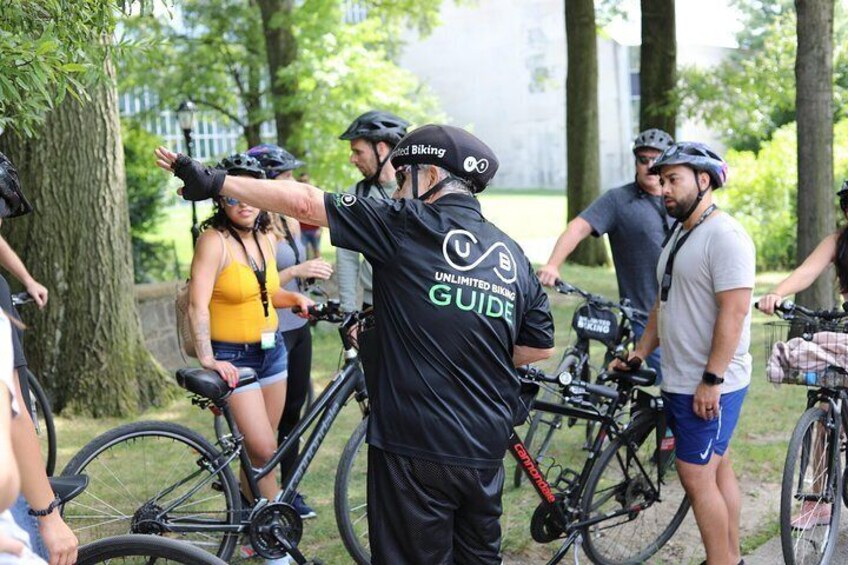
column 158, row 321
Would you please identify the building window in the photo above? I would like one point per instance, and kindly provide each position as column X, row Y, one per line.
column 635, row 92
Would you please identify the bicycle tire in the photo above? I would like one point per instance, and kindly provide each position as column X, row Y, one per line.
column 815, row 544
column 143, row 463
column 45, row 427
column 118, row 549
column 349, row 496
column 615, row 541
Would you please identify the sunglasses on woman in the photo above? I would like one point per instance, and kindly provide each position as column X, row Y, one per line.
column 230, row 201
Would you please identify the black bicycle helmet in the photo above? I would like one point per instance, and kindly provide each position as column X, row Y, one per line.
column 652, row 139
column 241, row 164
column 463, row 155
column 697, row 156
column 274, row 159
column 13, row 203
column 377, row 126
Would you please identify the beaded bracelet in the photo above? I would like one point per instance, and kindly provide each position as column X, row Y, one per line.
column 49, row 510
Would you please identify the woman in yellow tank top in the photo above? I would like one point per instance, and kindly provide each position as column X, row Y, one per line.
column 235, row 287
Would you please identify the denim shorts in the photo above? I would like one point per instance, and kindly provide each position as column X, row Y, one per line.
column 697, row 439
column 271, row 365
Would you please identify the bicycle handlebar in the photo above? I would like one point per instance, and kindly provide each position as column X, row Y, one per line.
column 21, row 298
column 623, row 305
column 329, row 311
column 788, row 310
column 571, row 386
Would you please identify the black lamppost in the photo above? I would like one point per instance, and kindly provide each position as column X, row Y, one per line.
column 185, row 115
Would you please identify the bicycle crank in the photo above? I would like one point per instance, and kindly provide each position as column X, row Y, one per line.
column 275, row 530
column 545, row 526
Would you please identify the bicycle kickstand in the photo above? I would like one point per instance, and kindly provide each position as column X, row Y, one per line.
column 573, row 538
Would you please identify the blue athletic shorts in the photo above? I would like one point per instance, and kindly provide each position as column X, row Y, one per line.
column 695, row 439
column 271, row 365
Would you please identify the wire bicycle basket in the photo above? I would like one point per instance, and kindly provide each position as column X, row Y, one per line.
column 808, row 352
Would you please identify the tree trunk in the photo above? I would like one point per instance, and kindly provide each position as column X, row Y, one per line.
column 581, row 122
column 814, row 104
column 658, row 67
column 253, row 106
column 281, row 47
column 87, row 344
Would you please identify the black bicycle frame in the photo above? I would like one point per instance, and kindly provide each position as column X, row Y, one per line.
column 325, row 410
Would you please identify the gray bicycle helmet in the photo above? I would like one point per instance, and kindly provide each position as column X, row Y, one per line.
column 696, row 155
column 13, row 203
column 377, row 126
column 274, row 159
column 241, row 164
column 652, row 139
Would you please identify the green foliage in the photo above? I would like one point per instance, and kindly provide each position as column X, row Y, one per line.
column 759, row 77
column 342, row 69
column 48, row 48
column 763, row 188
column 146, row 197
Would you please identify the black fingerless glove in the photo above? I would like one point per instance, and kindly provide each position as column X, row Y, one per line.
column 201, row 182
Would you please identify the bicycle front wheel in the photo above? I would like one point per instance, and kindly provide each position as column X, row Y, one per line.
column 143, row 550
column 351, row 504
column 640, row 512
column 811, row 490
column 154, row 478
column 44, row 426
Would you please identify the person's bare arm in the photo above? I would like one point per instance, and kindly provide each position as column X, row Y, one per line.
column 523, row 355
column 733, row 306
column 12, row 263
column 301, row 201
column 577, row 230
column 649, row 341
column 803, row 276
column 60, row 540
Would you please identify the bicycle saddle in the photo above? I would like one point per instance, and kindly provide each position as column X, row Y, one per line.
column 641, row 377
column 68, row 487
column 209, row 384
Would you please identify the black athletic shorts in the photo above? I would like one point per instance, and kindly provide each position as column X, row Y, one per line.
column 420, row 511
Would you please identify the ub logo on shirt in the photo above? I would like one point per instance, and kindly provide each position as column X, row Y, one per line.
column 472, row 293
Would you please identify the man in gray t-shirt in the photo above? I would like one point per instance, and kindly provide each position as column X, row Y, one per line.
column 635, row 219
column 702, row 318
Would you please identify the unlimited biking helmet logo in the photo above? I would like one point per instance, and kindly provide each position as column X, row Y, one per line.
column 471, row 164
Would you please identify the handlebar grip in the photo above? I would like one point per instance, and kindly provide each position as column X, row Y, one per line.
column 296, row 309
column 599, row 390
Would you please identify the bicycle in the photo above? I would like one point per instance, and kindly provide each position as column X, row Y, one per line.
column 626, row 491
column 813, row 481
column 171, row 480
column 42, row 415
column 594, row 320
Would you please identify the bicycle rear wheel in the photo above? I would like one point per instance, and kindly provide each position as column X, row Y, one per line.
column 138, row 471
column 143, row 550
column 350, row 502
column 811, row 490
column 617, row 484
column 43, row 419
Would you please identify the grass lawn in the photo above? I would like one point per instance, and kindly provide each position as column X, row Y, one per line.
column 532, row 219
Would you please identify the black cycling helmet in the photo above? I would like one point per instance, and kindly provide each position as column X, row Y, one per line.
column 465, row 157
column 697, row 156
column 13, row 203
column 377, row 126
column 652, row 139
column 241, row 164
column 274, row 159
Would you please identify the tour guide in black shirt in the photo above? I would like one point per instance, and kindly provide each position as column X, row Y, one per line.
column 458, row 307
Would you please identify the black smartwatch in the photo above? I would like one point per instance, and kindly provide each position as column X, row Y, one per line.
column 711, row 378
